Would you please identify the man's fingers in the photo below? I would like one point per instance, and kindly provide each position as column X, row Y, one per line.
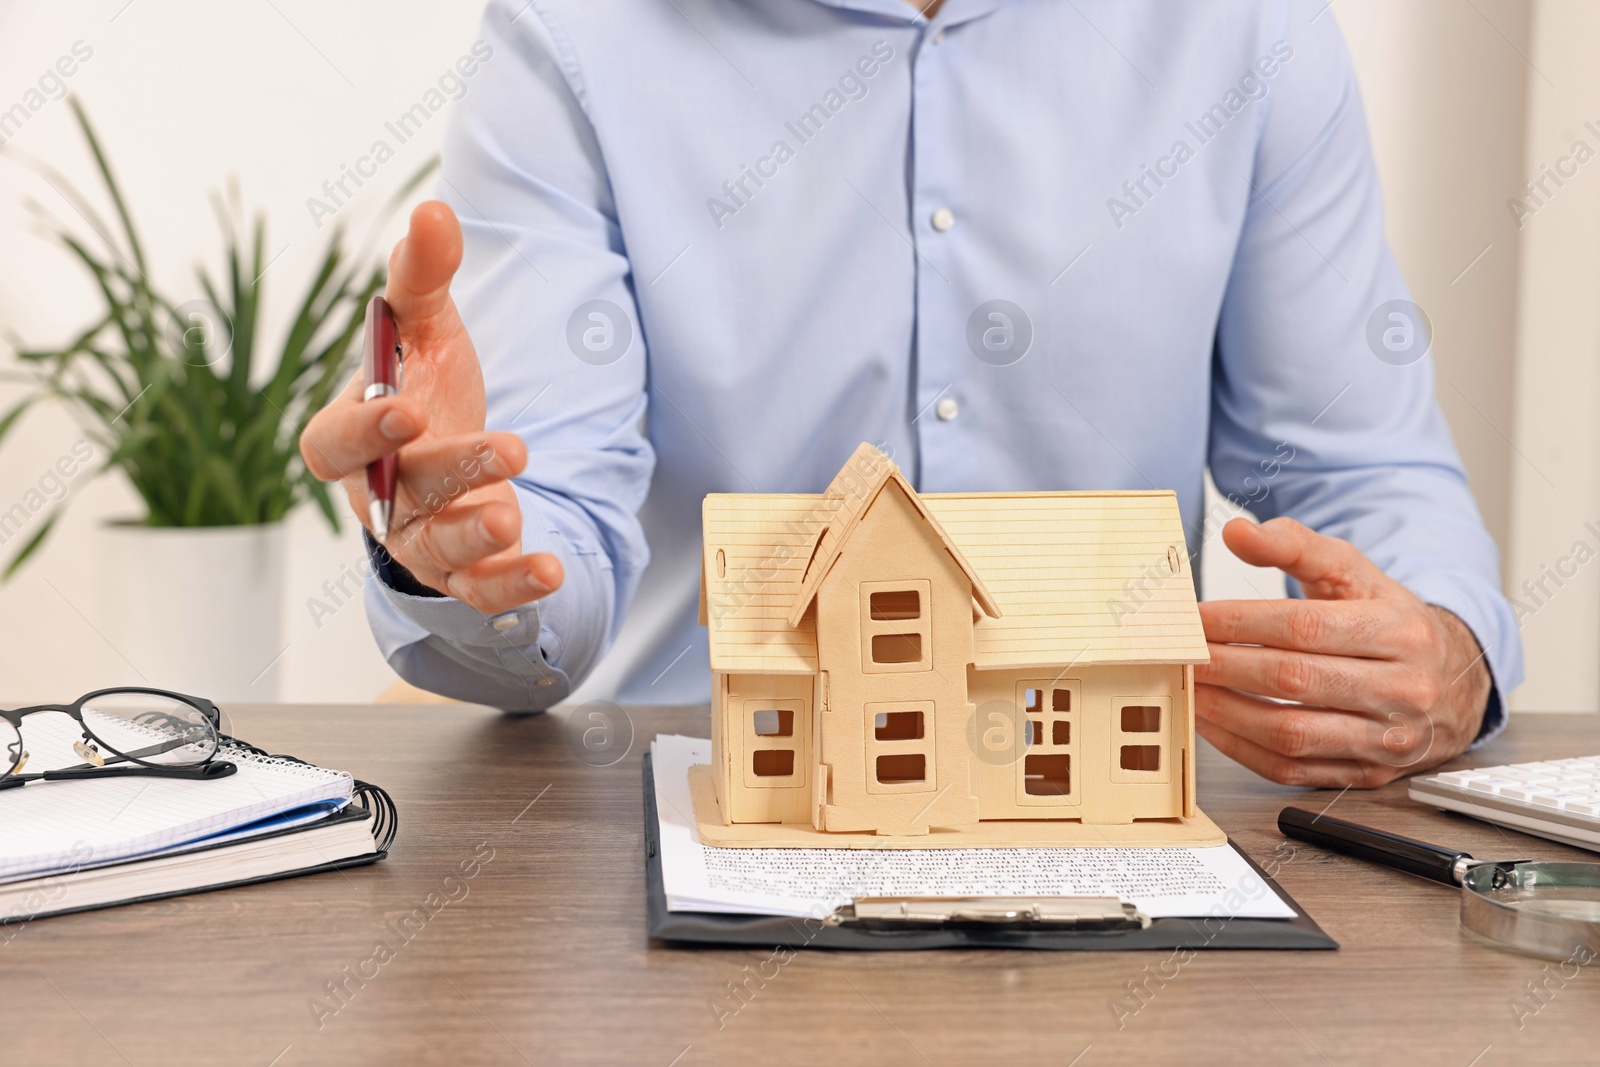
column 345, row 436
column 1292, row 730
column 1326, row 567
column 1308, row 678
column 1310, row 773
column 505, row 582
column 1376, row 628
column 435, row 472
column 420, row 270
column 462, row 535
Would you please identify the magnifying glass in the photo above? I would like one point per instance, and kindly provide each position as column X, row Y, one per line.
column 1545, row 909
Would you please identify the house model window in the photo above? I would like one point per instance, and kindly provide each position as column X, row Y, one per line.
column 895, row 631
column 1049, row 743
column 900, row 749
column 1141, row 739
column 1051, row 772
column 773, row 741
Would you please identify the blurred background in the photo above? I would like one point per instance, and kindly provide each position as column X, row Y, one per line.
column 1467, row 101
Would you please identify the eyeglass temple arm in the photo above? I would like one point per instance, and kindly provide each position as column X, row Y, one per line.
column 153, row 750
column 113, row 759
column 203, row 772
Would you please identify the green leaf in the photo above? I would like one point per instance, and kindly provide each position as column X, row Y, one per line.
column 31, row 546
column 319, row 493
column 110, row 183
column 16, row 413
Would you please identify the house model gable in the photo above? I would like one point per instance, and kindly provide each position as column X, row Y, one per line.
column 856, row 488
column 893, row 669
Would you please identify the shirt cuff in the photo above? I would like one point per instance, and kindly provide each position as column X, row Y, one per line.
column 392, row 574
column 516, row 641
column 1494, row 717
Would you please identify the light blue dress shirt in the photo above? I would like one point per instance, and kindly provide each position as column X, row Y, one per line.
column 711, row 245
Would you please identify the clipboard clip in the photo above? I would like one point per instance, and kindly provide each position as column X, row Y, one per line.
column 1073, row 913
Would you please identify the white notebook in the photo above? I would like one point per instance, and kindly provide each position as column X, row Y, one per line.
column 49, row 827
column 164, row 875
column 812, row 882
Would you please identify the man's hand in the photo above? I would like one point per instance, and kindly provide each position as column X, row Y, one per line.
column 457, row 526
column 1383, row 684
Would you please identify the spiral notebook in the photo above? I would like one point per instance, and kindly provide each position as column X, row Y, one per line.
column 67, row 846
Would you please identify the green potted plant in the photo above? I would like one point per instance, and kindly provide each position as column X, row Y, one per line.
column 177, row 397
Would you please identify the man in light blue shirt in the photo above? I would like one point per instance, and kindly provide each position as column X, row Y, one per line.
column 711, row 245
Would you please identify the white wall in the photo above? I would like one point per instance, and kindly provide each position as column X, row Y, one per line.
column 1445, row 91
column 187, row 94
column 1556, row 485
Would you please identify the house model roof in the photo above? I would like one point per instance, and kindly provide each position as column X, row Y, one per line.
column 848, row 496
column 1058, row 579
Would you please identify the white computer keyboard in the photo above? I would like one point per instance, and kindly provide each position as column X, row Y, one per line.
column 1558, row 799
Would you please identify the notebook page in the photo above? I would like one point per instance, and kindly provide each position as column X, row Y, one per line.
column 54, row 826
column 294, row 817
column 806, row 882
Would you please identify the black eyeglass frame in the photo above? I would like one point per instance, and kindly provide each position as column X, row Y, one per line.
column 119, row 763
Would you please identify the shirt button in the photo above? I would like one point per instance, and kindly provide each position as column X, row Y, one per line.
column 504, row 622
column 947, row 408
column 938, row 38
column 943, row 219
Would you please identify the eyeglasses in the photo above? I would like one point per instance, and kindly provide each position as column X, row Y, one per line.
column 127, row 731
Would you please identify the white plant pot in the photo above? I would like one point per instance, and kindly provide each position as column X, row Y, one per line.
column 197, row 610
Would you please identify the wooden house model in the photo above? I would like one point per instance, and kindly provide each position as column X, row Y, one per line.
column 892, row 669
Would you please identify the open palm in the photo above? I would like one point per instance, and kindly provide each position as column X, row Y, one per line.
column 457, row 526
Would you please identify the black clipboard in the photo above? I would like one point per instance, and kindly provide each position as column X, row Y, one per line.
column 707, row 928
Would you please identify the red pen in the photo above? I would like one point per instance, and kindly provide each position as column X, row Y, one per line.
column 380, row 367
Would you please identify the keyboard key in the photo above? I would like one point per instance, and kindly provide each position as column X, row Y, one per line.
column 1553, row 798
column 1459, row 777
column 1491, row 785
column 1528, row 774
column 1520, row 791
column 1583, row 807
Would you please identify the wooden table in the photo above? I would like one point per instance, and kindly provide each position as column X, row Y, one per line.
column 542, row 956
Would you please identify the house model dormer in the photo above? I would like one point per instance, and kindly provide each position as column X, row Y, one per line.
column 892, row 669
